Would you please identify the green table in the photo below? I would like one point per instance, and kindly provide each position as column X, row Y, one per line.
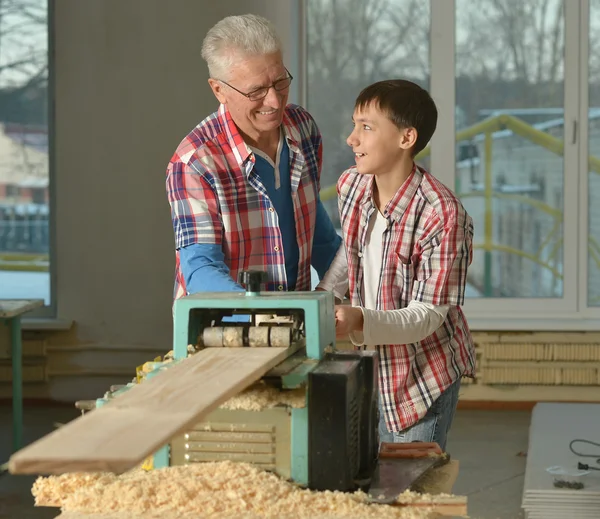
column 11, row 311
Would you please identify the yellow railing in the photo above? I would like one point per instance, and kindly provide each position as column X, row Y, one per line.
column 519, row 127
column 24, row 262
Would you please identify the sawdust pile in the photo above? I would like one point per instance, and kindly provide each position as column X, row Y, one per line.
column 262, row 396
column 210, row 490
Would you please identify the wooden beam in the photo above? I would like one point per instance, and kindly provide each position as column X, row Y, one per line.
column 120, row 435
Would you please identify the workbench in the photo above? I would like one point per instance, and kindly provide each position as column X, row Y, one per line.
column 11, row 311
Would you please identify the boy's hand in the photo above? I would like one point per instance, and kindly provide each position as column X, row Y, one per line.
column 347, row 319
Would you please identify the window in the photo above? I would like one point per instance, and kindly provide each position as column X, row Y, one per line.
column 350, row 45
column 517, row 84
column 24, row 164
column 510, row 126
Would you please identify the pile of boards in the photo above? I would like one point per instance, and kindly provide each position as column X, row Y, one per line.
column 552, row 477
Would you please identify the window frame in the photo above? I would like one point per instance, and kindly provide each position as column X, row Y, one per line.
column 50, row 311
column 544, row 313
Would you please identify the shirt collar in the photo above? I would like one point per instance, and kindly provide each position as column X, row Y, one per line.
column 241, row 150
column 291, row 131
column 396, row 207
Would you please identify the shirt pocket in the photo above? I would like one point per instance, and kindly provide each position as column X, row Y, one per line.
column 404, row 280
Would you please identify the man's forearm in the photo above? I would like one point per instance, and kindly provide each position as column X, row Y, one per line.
column 326, row 242
column 204, row 270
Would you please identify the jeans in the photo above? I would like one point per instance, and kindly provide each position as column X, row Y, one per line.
column 433, row 427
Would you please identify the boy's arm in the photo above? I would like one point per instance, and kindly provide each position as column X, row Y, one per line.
column 404, row 326
column 440, row 282
column 441, row 272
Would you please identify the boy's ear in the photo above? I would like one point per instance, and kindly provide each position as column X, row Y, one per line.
column 408, row 138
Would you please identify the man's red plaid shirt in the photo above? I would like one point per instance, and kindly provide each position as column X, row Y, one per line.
column 216, row 197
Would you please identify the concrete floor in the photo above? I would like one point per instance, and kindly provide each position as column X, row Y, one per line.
column 489, row 445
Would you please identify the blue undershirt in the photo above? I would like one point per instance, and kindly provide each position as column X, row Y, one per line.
column 281, row 198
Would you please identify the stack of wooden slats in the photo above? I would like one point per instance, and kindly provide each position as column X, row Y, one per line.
column 546, row 493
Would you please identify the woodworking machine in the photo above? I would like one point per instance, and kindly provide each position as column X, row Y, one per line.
column 329, row 444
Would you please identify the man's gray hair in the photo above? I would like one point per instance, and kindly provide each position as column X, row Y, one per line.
column 237, row 36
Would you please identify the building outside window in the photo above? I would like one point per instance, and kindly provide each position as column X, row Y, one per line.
column 24, row 150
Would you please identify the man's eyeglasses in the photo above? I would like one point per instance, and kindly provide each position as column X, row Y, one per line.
column 260, row 93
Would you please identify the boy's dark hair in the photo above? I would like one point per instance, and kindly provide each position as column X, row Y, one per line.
column 406, row 104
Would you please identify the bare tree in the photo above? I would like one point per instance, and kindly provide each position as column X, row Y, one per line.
column 511, row 39
column 512, row 53
column 351, row 44
column 23, row 43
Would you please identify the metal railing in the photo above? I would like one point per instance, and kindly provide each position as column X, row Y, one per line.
column 24, row 244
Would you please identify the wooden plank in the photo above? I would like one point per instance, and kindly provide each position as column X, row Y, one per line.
column 121, row 434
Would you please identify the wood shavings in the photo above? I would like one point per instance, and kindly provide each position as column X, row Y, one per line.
column 262, row 396
column 209, row 490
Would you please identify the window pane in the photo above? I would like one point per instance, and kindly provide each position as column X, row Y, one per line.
column 24, row 208
column 594, row 157
column 509, row 124
column 352, row 44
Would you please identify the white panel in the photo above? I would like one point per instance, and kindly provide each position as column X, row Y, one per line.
column 553, row 427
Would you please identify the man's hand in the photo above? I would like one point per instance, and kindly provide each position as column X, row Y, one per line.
column 347, row 319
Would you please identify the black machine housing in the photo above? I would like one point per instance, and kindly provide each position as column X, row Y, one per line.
column 343, row 418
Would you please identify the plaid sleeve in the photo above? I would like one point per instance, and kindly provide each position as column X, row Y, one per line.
column 194, row 206
column 441, row 274
column 311, row 140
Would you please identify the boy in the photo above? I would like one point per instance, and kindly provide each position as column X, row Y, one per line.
column 408, row 243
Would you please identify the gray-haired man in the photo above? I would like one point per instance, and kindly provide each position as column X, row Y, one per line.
column 243, row 185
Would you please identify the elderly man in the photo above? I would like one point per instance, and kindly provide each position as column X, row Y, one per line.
column 243, row 185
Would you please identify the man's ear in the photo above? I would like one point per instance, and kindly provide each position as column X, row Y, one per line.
column 218, row 89
column 408, row 138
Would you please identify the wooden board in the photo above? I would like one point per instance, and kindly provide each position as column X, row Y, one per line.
column 121, row 434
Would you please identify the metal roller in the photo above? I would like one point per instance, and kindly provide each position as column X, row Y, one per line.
column 233, row 337
column 253, row 336
column 258, row 336
column 212, row 337
column 280, row 336
column 223, row 337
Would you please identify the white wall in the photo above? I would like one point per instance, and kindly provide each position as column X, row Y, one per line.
column 130, row 83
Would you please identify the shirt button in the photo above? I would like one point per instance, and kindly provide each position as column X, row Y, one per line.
column 280, row 287
column 271, row 210
column 276, row 248
column 359, row 254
